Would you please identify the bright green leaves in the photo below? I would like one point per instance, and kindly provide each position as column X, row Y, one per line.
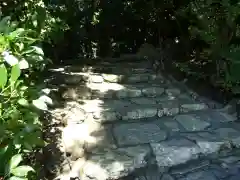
column 14, row 168
column 19, row 95
column 21, row 171
column 40, row 104
column 15, row 161
column 15, row 74
column 23, row 102
column 3, row 76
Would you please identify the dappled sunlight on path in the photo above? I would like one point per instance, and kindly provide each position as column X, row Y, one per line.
column 120, row 118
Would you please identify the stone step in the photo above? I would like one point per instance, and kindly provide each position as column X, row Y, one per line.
column 148, row 130
column 122, row 118
column 221, row 168
column 77, row 78
column 119, row 150
column 106, row 90
column 130, row 109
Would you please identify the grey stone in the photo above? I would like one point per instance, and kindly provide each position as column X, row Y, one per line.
column 160, row 112
column 211, row 104
column 72, row 80
column 172, row 125
column 72, row 140
column 208, row 147
column 200, row 176
column 230, row 108
column 102, row 137
column 185, row 96
column 167, row 177
column 227, row 117
column 234, row 177
column 114, row 164
column 111, row 78
column 143, row 100
column 138, row 112
column 214, row 116
column 153, row 91
column 218, row 171
column 117, row 104
column 174, row 152
column 193, row 107
column 103, row 95
column 208, row 143
column 75, row 116
column 96, row 79
column 141, row 70
column 189, row 167
column 165, row 98
column 136, row 78
column 138, row 133
column 133, row 92
column 230, row 159
column 169, row 108
column 77, row 93
column 191, row 123
column 229, row 134
column 173, row 91
column 233, row 170
column 149, row 173
column 158, row 77
column 106, row 116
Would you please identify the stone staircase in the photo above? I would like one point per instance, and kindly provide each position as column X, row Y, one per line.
column 121, row 120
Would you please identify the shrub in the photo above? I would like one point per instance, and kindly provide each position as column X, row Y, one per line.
column 21, row 101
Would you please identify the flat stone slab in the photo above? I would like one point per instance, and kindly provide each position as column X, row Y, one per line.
column 114, row 164
column 188, row 107
column 174, row 152
column 100, row 138
column 138, row 112
column 129, row 92
column 173, row 91
column 191, row 123
column 189, row 167
column 143, row 100
column 200, row 175
column 138, row 133
column 152, row 91
column 136, row 78
column 169, row 108
column 214, row 116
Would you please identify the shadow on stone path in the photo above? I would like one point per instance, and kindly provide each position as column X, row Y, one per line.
column 120, row 120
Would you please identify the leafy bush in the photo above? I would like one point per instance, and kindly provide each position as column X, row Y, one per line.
column 215, row 23
column 20, row 100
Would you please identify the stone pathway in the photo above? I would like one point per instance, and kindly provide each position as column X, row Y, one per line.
column 122, row 121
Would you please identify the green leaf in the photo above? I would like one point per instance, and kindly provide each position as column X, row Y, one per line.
column 23, row 102
column 17, row 178
column 22, row 171
column 3, row 150
column 15, row 73
column 35, row 23
column 20, row 46
column 23, row 64
column 46, row 99
column 46, row 91
column 4, row 24
column 38, row 50
column 40, row 104
column 14, row 162
column 18, row 32
column 3, row 76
